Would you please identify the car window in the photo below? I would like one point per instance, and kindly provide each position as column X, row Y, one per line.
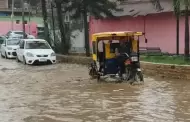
column 37, row 45
column 1, row 40
column 4, row 42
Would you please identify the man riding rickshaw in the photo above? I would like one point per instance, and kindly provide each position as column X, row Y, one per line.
column 119, row 55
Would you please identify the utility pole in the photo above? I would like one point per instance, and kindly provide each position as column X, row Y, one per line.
column 177, row 35
column 23, row 21
column 29, row 9
column 177, row 14
column 186, row 30
column 12, row 15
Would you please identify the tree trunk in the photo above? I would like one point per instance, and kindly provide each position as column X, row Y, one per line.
column 64, row 48
column 177, row 35
column 53, row 23
column 86, row 32
column 23, row 20
column 186, row 32
column 46, row 29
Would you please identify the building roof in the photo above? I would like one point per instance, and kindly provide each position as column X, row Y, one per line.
column 143, row 7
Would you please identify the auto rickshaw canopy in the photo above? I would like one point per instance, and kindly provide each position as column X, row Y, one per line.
column 114, row 35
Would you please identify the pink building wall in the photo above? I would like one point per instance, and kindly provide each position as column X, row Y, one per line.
column 6, row 26
column 160, row 29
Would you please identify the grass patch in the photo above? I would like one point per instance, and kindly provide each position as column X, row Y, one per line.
column 179, row 60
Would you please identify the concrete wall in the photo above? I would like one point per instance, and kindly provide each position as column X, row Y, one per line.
column 6, row 26
column 160, row 29
column 77, row 41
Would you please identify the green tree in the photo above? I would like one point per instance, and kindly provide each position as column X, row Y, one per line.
column 177, row 4
column 96, row 8
column 65, row 45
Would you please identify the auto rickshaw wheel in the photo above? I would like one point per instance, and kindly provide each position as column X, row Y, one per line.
column 93, row 73
column 128, row 73
column 138, row 77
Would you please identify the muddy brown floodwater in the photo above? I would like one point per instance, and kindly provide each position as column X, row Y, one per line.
column 64, row 93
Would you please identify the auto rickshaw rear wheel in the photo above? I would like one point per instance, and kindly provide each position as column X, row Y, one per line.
column 93, row 73
column 98, row 78
column 138, row 77
column 128, row 73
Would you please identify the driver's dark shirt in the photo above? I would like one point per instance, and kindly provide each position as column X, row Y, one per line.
column 125, row 48
column 122, row 49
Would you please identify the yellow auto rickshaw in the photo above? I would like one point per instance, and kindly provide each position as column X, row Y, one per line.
column 116, row 54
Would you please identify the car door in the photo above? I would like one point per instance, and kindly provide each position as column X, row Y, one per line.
column 20, row 50
column 3, row 47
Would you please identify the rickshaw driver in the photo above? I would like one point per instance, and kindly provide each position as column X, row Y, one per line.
column 124, row 48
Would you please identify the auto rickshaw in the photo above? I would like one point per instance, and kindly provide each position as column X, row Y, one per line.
column 106, row 61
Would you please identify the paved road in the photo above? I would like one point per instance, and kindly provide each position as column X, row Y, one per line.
column 64, row 93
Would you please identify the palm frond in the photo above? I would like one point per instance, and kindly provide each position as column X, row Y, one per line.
column 97, row 8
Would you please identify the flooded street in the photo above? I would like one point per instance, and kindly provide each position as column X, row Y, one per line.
column 64, row 93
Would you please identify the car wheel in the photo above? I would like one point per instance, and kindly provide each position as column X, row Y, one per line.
column 17, row 59
column 24, row 60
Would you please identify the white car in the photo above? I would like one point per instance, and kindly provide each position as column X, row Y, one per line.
column 32, row 51
column 12, row 34
column 9, row 47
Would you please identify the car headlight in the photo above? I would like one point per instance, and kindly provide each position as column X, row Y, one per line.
column 9, row 48
column 29, row 54
column 134, row 58
column 53, row 54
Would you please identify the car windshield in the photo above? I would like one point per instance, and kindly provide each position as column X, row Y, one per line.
column 16, row 37
column 37, row 45
column 13, row 42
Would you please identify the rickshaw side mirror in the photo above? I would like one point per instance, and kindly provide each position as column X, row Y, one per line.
column 146, row 40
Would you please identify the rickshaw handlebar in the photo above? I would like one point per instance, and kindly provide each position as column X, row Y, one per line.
column 126, row 54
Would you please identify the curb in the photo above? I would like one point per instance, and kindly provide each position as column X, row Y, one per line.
column 152, row 69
